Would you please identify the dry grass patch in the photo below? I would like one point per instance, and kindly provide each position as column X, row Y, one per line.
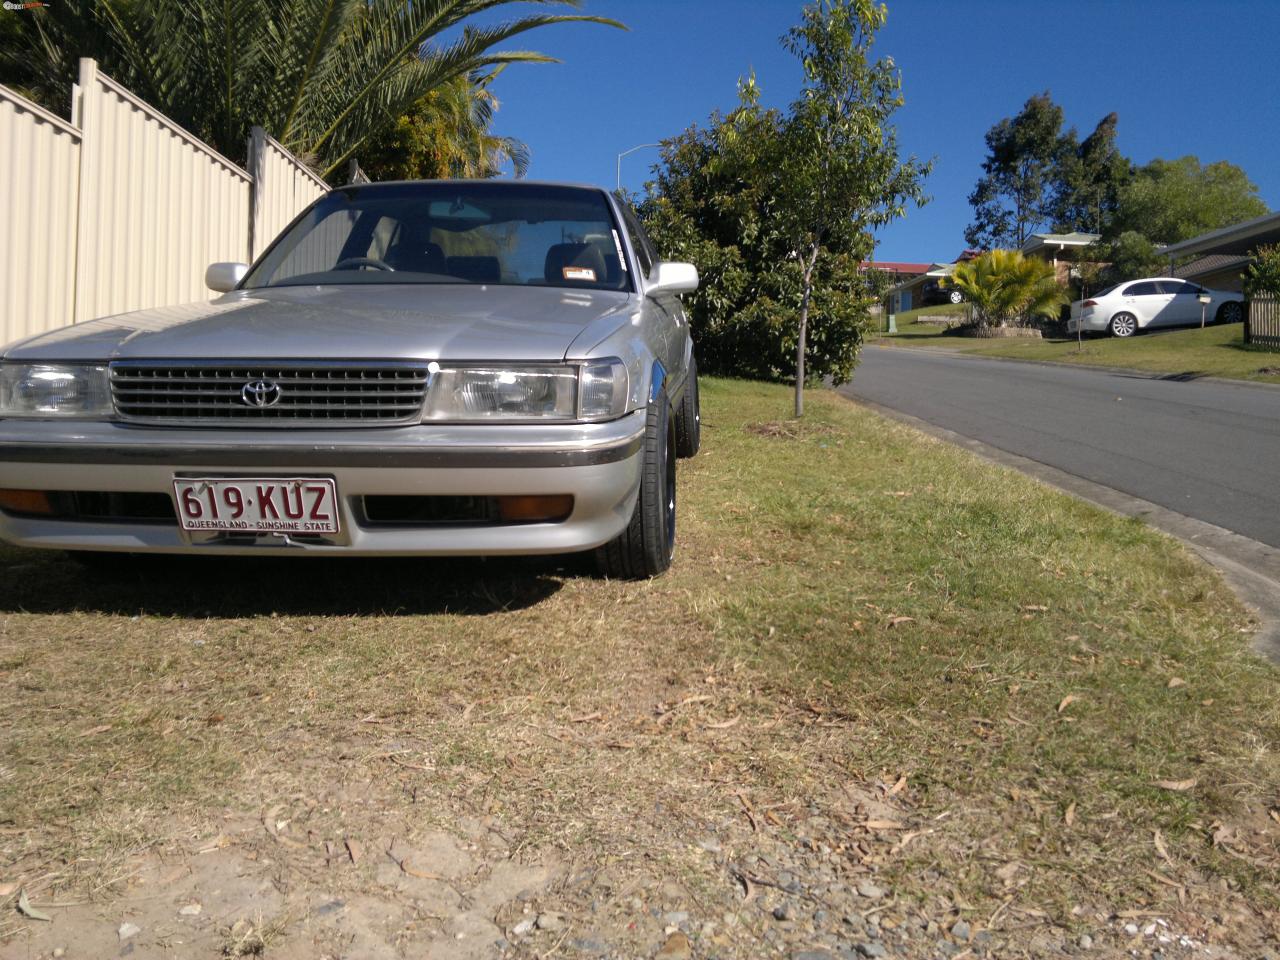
column 875, row 658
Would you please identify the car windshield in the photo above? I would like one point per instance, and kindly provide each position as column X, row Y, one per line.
column 451, row 232
column 1103, row 293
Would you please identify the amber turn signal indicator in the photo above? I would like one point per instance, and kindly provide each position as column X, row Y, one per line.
column 535, row 509
column 25, row 501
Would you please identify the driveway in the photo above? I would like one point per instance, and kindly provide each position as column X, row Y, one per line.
column 1206, row 449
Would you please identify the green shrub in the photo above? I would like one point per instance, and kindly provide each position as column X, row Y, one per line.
column 1263, row 275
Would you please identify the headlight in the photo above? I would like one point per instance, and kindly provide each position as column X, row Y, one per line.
column 594, row 391
column 507, row 393
column 54, row 390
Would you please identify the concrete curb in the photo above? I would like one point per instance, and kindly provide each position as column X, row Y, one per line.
column 1251, row 569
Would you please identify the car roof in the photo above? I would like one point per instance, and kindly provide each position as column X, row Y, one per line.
column 504, row 184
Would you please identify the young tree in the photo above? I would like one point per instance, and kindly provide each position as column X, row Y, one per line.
column 1015, row 195
column 837, row 174
column 777, row 209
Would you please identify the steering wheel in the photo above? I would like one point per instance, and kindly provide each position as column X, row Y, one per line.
column 352, row 263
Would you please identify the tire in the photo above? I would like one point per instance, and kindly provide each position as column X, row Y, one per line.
column 1123, row 325
column 644, row 549
column 689, row 416
column 955, row 296
column 1230, row 312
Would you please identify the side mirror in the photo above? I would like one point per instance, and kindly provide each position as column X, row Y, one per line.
column 668, row 277
column 223, row 277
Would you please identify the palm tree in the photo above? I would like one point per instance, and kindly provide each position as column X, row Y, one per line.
column 1005, row 287
column 321, row 76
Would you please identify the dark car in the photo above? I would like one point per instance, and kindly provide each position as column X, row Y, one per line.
column 933, row 292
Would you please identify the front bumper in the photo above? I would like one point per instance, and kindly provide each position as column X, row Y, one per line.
column 598, row 464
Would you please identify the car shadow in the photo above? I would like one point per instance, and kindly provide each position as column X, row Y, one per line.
column 37, row 581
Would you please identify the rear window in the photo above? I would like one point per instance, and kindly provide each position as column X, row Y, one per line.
column 451, row 232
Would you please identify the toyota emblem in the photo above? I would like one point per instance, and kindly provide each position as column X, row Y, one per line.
column 260, row 393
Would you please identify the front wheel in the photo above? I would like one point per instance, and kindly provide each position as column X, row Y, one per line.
column 1230, row 312
column 644, row 549
column 955, row 296
column 1123, row 325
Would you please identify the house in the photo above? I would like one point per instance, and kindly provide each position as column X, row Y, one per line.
column 1060, row 249
column 1218, row 258
column 908, row 293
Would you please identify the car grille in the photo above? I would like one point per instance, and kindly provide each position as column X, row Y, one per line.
column 270, row 395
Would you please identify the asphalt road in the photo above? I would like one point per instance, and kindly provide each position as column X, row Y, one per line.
column 1207, row 449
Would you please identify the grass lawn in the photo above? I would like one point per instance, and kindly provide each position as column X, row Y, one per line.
column 1216, row 351
column 908, row 326
column 877, row 660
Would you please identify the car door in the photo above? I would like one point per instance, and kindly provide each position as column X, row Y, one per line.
column 1185, row 306
column 1146, row 301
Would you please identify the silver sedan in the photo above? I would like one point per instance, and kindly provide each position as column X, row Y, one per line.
column 446, row 367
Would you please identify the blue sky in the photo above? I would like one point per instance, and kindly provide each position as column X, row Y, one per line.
column 1185, row 76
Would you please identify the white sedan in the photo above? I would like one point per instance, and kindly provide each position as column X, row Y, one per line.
column 1126, row 308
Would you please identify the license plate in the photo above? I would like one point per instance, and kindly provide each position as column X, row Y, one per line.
column 274, row 505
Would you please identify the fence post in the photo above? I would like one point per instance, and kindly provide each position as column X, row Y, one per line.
column 257, row 148
column 85, row 115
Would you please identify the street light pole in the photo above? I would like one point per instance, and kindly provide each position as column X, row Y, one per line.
column 639, row 146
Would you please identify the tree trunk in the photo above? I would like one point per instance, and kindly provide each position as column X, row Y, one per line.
column 804, row 329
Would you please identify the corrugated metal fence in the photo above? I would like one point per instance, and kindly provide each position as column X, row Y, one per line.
column 40, row 157
column 1262, row 321
column 122, row 209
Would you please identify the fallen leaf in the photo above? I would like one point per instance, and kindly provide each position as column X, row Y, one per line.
column 420, row 874
column 898, row 621
column 96, row 730
column 587, row 717
column 27, row 910
column 1158, row 840
column 1035, row 607
column 697, row 698
column 1175, row 682
column 1069, row 699
column 1070, row 816
column 1155, row 875
column 883, row 825
column 354, row 850
column 725, row 724
column 1178, row 785
column 214, row 719
column 898, row 787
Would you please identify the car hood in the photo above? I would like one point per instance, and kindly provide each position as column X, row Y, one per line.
column 384, row 321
